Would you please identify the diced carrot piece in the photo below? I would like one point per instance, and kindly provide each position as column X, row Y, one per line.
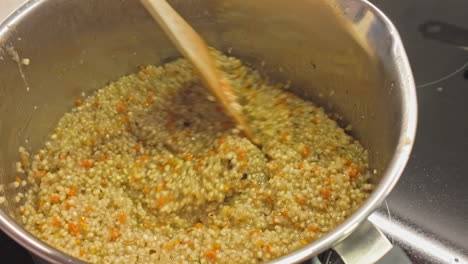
column 114, row 234
column 72, row 191
column 189, row 157
column 160, row 202
column 87, row 164
column 326, row 193
column 121, row 108
column 54, row 199
column 305, row 152
column 73, row 229
column 137, row 147
column 222, row 140
column 122, row 218
column 211, row 254
column 255, row 231
column 55, row 221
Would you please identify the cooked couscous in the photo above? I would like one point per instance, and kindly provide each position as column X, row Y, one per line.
column 150, row 170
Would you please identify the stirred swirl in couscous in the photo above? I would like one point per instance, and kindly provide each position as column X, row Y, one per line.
column 150, row 170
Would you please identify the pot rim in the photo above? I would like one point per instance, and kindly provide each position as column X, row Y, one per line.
column 389, row 180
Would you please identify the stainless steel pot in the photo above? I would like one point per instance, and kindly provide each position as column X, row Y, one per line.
column 344, row 54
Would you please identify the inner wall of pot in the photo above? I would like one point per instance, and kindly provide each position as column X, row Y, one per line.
column 79, row 46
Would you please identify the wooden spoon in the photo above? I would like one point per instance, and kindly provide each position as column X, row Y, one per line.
column 192, row 46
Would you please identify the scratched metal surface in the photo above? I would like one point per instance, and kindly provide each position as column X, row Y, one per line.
column 427, row 213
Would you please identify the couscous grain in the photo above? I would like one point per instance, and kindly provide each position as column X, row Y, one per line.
column 149, row 170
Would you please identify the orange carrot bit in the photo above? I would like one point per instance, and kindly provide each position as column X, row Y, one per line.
column 300, row 165
column 103, row 158
column 285, row 213
column 305, row 152
column 81, row 253
column 349, row 163
column 255, row 231
column 304, row 242
column 73, row 229
column 96, row 102
column 87, row 164
column 18, row 180
column 269, row 200
column 255, row 186
column 284, row 137
column 242, row 154
column 78, row 102
column 353, row 173
column 168, row 247
column 72, row 191
column 121, row 108
column 299, row 200
column 88, row 209
column 210, row 254
column 198, row 225
column 326, row 193
column 122, row 218
column 55, row 221
column 312, row 229
column 68, row 206
column 114, row 234
column 216, row 246
column 222, row 140
column 160, row 225
column 125, row 118
column 54, row 199
column 268, row 247
column 144, row 158
column 145, row 71
column 103, row 183
column 198, row 166
column 137, row 147
column 189, row 157
column 211, row 152
column 62, row 157
column 160, row 202
column 315, row 169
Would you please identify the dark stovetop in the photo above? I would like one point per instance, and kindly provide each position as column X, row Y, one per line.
column 427, row 213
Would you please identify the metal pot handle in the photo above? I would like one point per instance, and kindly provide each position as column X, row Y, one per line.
column 366, row 244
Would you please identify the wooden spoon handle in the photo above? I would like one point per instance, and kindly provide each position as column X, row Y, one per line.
column 192, row 46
